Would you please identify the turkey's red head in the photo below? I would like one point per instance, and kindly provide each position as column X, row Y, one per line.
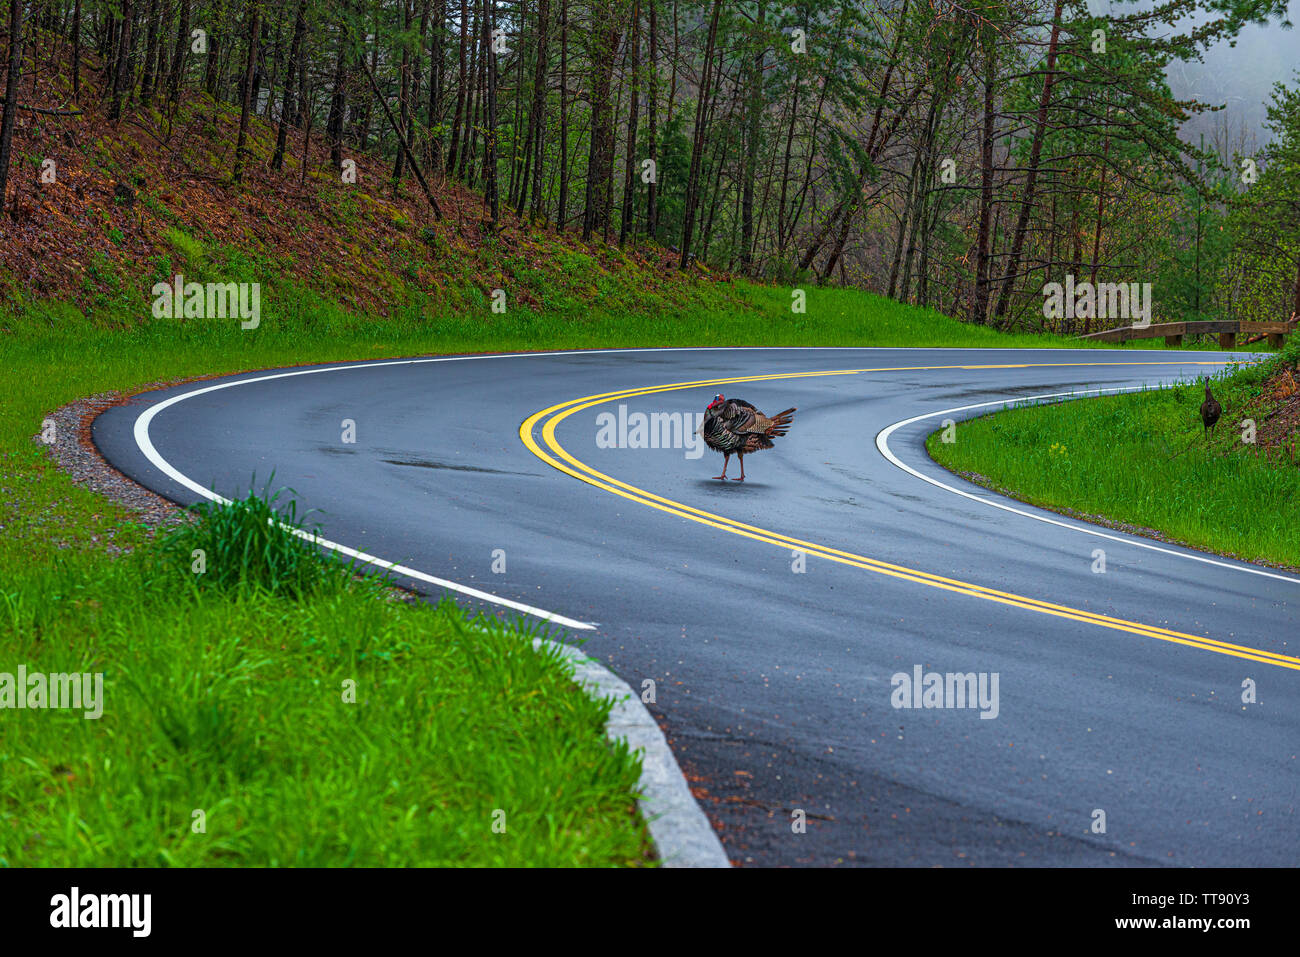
column 717, row 401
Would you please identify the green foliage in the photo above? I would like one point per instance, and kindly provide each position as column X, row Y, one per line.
column 1195, row 252
column 253, row 543
column 191, row 248
column 1265, row 262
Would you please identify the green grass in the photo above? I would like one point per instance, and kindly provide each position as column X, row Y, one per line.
column 1141, row 459
column 235, row 704
column 572, row 302
column 254, row 543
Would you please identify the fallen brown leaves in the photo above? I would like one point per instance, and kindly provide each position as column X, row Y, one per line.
column 73, row 240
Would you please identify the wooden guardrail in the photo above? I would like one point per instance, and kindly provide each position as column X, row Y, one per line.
column 1227, row 331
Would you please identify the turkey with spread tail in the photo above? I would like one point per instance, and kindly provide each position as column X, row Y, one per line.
column 733, row 426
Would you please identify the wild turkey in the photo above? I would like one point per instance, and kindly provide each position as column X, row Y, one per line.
column 733, row 425
column 1210, row 411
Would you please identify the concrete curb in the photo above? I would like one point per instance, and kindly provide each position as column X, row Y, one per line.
column 681, row 832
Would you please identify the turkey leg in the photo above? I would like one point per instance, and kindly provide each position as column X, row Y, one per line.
column 726, row 457
column 741, row 456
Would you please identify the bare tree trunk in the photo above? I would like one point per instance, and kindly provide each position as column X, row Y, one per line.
column 1031, row 172
column 560, row 216
column 417, row 70
column 491, row 188
column 628, row 220
column 150, row 53
column 1101, row 206
column 600, row 157
column 76, row 50
column 178, row 52
column 211, row 64
column 249, row 68
column 403, row 88
column 785, row 171
column 417, row 66
column 469, row 136
column 261, row 40
column 898, row 247
column 403, row 142
column 672, row 65
column 518, row 124
column 754, row 115
column 697, row 147
column 303, row 107
column 979, row 306
column 287, row 105
column 162, row 70
column 435, row 88
column 905, row 224
column 338, row 98
column 366, row 105
column 538, row 119
column 107, row 44
column 122, row 64
column 846, row 225
column 652, row 191
column 532, row 175
column 11, row 93
column 461, row 88
column 277, row 61
column 716, row 166
column 306, row 134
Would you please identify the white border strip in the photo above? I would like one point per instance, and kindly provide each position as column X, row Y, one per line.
column 882, row 443
column 146, row 446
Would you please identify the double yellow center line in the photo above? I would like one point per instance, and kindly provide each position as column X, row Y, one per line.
column 549, row 419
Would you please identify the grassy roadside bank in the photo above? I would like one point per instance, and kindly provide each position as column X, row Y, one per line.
column 1141, row 461
column 344, row 726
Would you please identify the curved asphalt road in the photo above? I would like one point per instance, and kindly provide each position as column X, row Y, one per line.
column 1119, row 692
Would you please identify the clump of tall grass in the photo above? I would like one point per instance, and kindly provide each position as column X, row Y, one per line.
column 256, row 542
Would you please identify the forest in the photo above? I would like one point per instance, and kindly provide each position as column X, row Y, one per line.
column 960, row 156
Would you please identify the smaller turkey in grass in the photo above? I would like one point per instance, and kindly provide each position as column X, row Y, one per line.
column 1210, row 411
column 734, row 426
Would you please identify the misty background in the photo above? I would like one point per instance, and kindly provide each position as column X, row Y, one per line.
column 1239, row 78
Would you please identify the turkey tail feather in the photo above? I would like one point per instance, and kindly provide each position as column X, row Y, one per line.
column 781, row 422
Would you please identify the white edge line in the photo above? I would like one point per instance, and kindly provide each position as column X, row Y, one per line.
column 882, row 443
column 146, row 446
